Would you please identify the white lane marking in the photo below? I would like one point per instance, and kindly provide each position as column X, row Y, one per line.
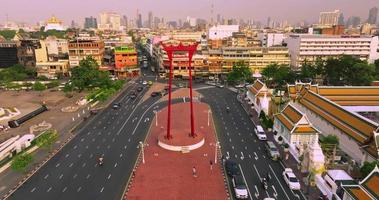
column 125, row 146
column 279, row 182
column 233, row 147
column 230, row 139
column 48, row 190
column 79, row 155
column 109, row 176
column 120, row 155
column 47, row 175
column 57, row 165
column 33, row 189
column 115, row 165
column 67, row 155
column 227, row 155
column 87, row 177
column 60, row 177
column 275, row 192
column 71, row 165
column 79, row 189
column 256, row 156
column 86, row 146
column 243, row 175
column 256, row 170
column 256, row 194
column 90, row 156
column 64, row 189
column 102, row 189
column 108, row 146
column 84, row 164
column 242, row 156
column 76, row 146
column 75, row 175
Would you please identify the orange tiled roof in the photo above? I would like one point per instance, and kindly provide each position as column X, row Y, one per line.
column 286, row 122
column 351, row 96
column 360, row 194
column 350, row 123
column 292, row 114
column 371, row 184
column 257, row 86
column 305, row 129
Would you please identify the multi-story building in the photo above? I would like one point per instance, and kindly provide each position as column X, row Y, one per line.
column 90, row 22
column 26, row 52
column 53, row 69
column 311, row 47
column 81, row 48
column 271, row 39
column 372, row 16
column 222, row 31
column 110, row 21
column 220, row 61
column 256, row 58
column 329, row 18
column 126, row 62
column 8, row 54
column 56, row 46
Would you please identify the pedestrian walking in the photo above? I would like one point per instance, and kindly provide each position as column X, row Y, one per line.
column 194, row 172
column 211, row 164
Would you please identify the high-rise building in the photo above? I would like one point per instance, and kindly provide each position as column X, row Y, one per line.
column 353, row 21
column 329, row 18
column 139, row 21
column 124, row 21
column 90, row 22
column 268, row 22
column 110, row 21
column 341, row 19
column 150, row 20
column 372, row 15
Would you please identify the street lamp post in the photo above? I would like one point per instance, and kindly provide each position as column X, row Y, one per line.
column 209, row 112
column 142, row 151
column 156, row 117
column 217, row 144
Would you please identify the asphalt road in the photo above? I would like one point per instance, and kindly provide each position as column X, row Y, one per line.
column 73, row 172
column 238, row 142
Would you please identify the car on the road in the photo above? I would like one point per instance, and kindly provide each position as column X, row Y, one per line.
column 291, row 180
column 240, row 188
column 116, row 106
column 150, row 82
column 260, row 133
column 231, row 168
column 271, row 150
column 133, row 96
column 144, row 83
column 155, row 94
column 139, row 89
column 220, row 86
column 180, row 85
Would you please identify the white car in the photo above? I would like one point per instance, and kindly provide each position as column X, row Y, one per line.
column 291, row 180
column 240, row 188
column 144, row 83
column 260, row 133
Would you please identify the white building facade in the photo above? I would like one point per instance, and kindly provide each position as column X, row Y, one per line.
column 222, row 31
column 311, row 47
column 271, row 39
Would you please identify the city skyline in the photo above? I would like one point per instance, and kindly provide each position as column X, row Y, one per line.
column 257, row 10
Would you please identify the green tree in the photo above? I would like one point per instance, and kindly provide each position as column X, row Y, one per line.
column 21, row 161
column 240, row 72
column 348, row 70
column 367, row 167
column 47, row 139
column 277, row 76
column 13, row 73
column 376, row 64
column 8, row 34
column 330, row 139
column 38, row 86
column 53, row 84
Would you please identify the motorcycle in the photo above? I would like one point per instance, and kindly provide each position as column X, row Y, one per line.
column 264, row 183
column 100, row 162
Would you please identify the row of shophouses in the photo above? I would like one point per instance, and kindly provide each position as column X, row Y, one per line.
column 53, row 57
column 307, row 110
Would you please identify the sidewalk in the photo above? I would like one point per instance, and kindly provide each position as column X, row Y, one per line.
column 309, row 192
column 10, row 180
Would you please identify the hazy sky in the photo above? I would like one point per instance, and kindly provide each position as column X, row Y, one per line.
column 32, row 11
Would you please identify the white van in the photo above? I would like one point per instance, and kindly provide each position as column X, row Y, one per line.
column 260, row 133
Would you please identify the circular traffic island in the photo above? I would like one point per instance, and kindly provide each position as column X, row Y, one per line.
column 181, row 140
